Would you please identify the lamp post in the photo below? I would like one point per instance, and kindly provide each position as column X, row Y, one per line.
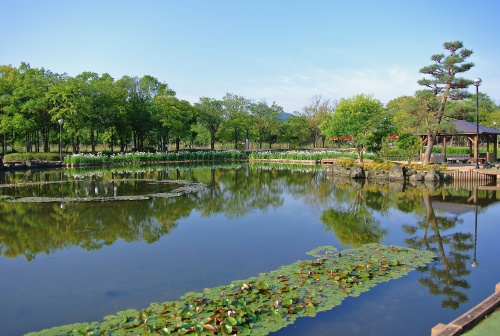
column 60, row 122
column 477, row 82
column 475, row 263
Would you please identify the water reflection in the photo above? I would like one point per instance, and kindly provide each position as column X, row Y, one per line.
column 259, row 199
column 346, row 208
column 445, row 276
column 354, row 223
column 438, row 207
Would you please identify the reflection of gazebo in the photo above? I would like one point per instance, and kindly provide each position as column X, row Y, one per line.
column 468, row 129
column 456, row 209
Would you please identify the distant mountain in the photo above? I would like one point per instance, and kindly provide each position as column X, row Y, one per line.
column 284, row 116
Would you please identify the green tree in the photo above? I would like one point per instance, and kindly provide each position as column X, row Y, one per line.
column 409, row 144
column 316, row 113
column 8, row 76
column 140, row 106
column 294, row 130
column 98, row 105
column 176, row 116
column 378, row 141
column 210, row 115
column 31, row 118
column 116, row 128
column 396, row 108
column 266, row 121
column 357, row 117
column 443, row 84
column 237, row 117
column 66, row 98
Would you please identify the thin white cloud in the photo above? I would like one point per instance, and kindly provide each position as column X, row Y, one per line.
column 294, row 91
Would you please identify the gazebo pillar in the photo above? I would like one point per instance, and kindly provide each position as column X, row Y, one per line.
column 444, row 148
column 470, row 146
column 493, row 156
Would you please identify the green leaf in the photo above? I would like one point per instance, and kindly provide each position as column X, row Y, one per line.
column 231, row 321
column 310, row 309
column 227, row 328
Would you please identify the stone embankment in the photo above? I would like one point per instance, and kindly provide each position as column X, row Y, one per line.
column 396, row 173
column 28, row 164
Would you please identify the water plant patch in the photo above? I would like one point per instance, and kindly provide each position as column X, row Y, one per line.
column 266, row 303
column 186, row 187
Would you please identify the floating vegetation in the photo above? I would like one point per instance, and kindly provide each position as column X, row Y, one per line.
column 187, row 187
column 267, row 303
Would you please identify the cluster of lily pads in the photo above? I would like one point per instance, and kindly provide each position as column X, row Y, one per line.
column 143, row 157
column 266, row 303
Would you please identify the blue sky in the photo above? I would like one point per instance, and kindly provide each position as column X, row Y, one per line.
column 279, row 51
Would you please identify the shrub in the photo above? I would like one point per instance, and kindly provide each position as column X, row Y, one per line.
column 31, row 156
column 346, row 163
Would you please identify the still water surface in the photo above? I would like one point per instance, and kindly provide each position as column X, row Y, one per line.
column 65, row 262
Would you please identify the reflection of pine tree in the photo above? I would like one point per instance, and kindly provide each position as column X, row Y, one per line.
column 447, row 272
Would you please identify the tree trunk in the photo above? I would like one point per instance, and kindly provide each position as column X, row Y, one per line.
column 92, row 140
column 46, row 141
column 235, row 138
column 112, row 145
column 431, row 139
column 360, row 154
column 122, row 145
column 27, row 142
column 212, row 141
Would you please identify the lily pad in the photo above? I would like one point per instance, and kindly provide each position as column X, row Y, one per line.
column 271, row 301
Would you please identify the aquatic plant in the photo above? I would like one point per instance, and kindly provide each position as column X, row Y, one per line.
column 266, row 303
column 144, row 157
column 307, row 155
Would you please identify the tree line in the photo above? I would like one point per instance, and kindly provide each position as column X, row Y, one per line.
column 134, row 113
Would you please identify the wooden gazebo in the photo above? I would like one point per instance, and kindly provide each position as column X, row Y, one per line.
column 468, row 129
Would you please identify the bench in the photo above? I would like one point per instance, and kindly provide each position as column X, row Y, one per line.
column 459, row 158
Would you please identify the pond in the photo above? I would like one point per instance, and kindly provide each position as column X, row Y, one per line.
column 79, row 244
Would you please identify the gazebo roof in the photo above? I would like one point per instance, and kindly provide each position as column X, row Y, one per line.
column 467, row 127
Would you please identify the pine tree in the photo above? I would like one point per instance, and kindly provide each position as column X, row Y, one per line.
column 444, row 84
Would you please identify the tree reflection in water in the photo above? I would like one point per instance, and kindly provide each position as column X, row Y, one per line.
column 445, row 276
column 353, row 222
column 351, row 219
column 350, row 209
